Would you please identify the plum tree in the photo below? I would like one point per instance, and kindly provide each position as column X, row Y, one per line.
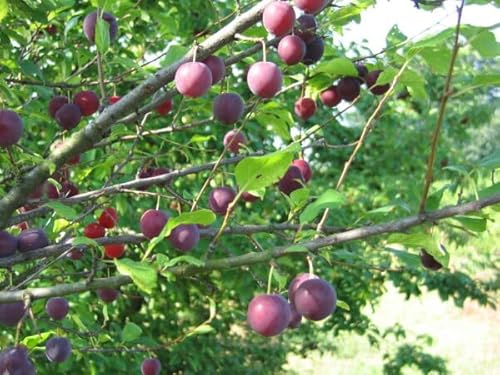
column 310, row 6
column 193, row 79
column 348, row 88
column 268, row 314
column 94, row 230
column 295, row 318
column 291, row 49
column 314, row 50
column 57, row 308
column 305, row 108
column 330, row 97
column 428, row 261
column 87, row 101
column 8, row 244
column 56, row 103
column 151, row 366
column 233, row 140
column 165, row 107
column 89, row 25
column 228, row 108
column 108, row 218
column 107, row 295
column 11, row 128
column 114, row 250
column 264, row 79
column 220, row 198
column 32, row 239
column 306, row 30
column 304, row 167
column 152, row 222
column 291, row 181
column 185, row 237
column 278, row 18
column 297, row 282
column 315, row 299
column 216, row 66
column 15, row 361
column 68, row 116
column 371, row 80
column 11, row 313
column 58, row 349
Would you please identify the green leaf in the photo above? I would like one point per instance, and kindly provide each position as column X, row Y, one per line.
column 343, row 305
column 32, row 341
column 102, row 38
column 297, row 249
column 329, row 199
column 62, row 210
column 131, row 332
column 408, row 259
column 298, row 198
column 421, row 240
column 486, row 79
column 174, row 53
column 258, row 172
column 201, row 330
column 485, row 43
column 337, row 67
column 277, row 117
column 473, row 223
column 491, row 161
column 438, row 58
column 164, row 262
column 143, row 275
column 4, row 9
column 490, row 191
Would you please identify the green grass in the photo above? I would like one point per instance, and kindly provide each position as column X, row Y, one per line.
column 469, row 338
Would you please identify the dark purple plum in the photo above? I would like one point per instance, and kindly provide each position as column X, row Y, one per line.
column 8, row 244
column 291, row 181
column 193, row 79
column 216, row 66
column 56, row 103
column 428, row 261
column 151, row 366
column 233, row 140
column 68, row 116
column 11, row 128
column 15, row 361
column 152, row 222
column 89, row 25
column 32, row 239
column 11, row 313
column 220, row 198
column 307, row 27
column 296, row 282
column 268, row 314
column 330, row 97
column 278, row 18
column 295, row 318
column 185, row 237
column 371, row 80
column 314, row 51
column 348, row 88
column 264, row 79
column 57, row 308
column 315, row 299
column 58, row 349
column 228, row 108
column 291, row 49
column 108, row 295
column 362, row 72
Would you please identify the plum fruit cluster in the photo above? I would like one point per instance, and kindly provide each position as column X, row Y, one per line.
column 297, row 175
column 69, row 114
column 310, row 297
column 27, row 240
column 107, row 220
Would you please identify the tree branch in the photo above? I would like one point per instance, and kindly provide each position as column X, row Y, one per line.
column 261, row 257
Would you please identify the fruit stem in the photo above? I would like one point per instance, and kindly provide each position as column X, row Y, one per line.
column 270, row 278
column 311, row 265
column 195, row 52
